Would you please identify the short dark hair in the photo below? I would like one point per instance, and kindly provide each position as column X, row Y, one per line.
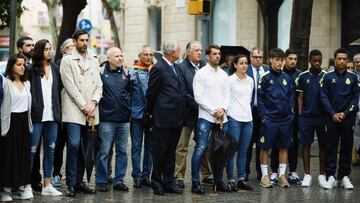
column 9, row 72
column 314, row 52
column 340, row 51
column 277, row 53
column 77, row 34
column 236, row 58
column 290, row 51
column 211, row 46
column 21, row 41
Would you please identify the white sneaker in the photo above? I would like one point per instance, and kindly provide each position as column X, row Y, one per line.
column 274, row 179
column 50, row 191
column 24, row 192
column 306, row 181
column 5, row 197
column 330, row 183
column 346, row 183
column 321, row 180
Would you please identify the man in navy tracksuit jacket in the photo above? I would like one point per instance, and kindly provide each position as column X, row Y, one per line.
column 276, row 106
column 290, row 69
column 311, row 115
column 339, row 95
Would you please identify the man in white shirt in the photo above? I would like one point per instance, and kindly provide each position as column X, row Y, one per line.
column 211, row 92
column 255, row 70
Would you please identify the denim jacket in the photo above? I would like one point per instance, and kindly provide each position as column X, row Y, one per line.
column 137, row 101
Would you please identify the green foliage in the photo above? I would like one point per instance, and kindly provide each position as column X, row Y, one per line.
column 5, row 12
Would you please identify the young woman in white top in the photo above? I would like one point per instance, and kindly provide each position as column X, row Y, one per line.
column 16, row 128
column 45, row 112
column 240, row 119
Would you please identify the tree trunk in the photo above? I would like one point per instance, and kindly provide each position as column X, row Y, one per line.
column 300, row 30
column 71, row 10
column 270, row 10
column 114, row 29
column 51, row 5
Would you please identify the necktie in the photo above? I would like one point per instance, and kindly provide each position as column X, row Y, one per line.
column 257, row 74
column 173, row 69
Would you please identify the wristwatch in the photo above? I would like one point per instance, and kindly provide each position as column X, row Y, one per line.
column 94, row 101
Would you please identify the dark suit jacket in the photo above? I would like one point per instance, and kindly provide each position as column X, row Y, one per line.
column 192, row 109
column 250, row 73
column 166, row 96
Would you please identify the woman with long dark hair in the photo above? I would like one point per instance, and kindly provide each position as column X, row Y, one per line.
column 16, row 127
column 45, row 112
column 240, row 119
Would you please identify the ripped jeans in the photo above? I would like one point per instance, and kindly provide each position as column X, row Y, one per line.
column 48, row 130
column 203, row 129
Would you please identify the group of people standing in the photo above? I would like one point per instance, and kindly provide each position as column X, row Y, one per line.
column 276, row 107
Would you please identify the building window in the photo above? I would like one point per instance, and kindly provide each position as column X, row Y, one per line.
column 284, row 24
column 224, row 22
column 154, row 27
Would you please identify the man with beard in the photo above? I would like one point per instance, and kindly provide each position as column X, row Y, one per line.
column 25, row 46
column 212, row 93
column 82, row 92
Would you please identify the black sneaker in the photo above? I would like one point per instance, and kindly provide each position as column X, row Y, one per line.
column 146, row 182
column 137, row 183
column 221, row 187
column 232, row 186
column 180, row 184
column 102, row 188
column 121, row 187
column 242, row 185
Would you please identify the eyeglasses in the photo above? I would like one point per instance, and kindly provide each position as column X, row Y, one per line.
column 257, row 57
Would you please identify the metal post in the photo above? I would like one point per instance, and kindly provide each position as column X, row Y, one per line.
column 13, row 15
column 204, row 19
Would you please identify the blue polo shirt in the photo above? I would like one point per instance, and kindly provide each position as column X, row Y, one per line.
column 276, row 96
column 339, row 93
column 114, row 105
column 308, row 83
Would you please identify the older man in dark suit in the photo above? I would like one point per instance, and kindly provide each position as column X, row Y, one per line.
column 255, row 70
column 166, row 102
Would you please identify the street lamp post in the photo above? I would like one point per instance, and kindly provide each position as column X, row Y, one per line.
column 13, row 6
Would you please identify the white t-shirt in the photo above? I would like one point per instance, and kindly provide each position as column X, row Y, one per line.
column 46, row 86
column 20, row 100
column 240, row 100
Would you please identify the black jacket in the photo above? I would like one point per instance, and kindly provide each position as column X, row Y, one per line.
column 37, row 104
column 166, row 96
column 192, row 109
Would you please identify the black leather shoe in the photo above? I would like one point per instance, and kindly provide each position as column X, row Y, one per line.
column 180, row 184
column 221, row 187
column 174, row 190
column 137, row 183
column 208, row 181
column 232, row 186
column 158, row 191
column 197, row 189
column 102, row 188
column 242, row 185
column 146, row 182
column 37, row 187
column 121, row 187
column 82, row 188
column 70, row 192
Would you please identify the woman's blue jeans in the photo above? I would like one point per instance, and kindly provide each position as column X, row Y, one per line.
column 242, row 132
column 49, row 131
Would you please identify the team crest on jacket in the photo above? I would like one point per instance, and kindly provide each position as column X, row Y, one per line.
column 347, row 81
column 284, row 82
column 333, row 80
column 271, row 82
column 262, row 139
column 307, row 81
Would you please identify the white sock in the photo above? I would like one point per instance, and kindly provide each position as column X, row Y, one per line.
column 264, row 170
column 282, row 169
